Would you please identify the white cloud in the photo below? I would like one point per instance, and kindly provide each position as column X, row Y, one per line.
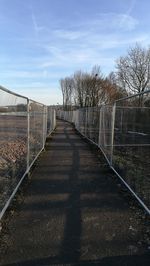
column 19, row 74
column 109, row 22
column 28, row 74
column 69, row 34
column 47, row 96
column 126, row 22
column 94, row 50
column 48, row 99
column 90, row 40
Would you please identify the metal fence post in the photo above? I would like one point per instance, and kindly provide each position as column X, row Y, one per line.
column 54, row 115
column 112, row 132
column 44, row 124
column 87, row 121
column 28, row 134
column 46, row 118
column 99, row 137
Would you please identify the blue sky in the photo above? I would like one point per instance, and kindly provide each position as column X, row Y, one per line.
column 42, row 41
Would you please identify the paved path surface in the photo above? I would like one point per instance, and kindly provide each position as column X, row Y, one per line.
column 73, row 213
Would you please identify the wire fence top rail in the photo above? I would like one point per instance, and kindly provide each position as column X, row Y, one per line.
column 13, row 93
column 134, row 95
column 19, row 95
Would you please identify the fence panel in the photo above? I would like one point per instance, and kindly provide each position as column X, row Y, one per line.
column 51, row 119
column 82, row 120
column 90, row 122
column 106, row 131
column 36, row 129
column 13, row 142
column 122, row 132
column 23, row 131
column 131, row 151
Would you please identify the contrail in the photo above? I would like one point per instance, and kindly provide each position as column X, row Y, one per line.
column 126, row 15
column 36, row 27
column 132, row 5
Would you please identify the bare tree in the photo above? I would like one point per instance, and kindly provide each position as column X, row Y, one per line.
column 66, row 85
column 112, row 77
column 87, row 86
column 134, row 69
column 79, row 88
column 89, row 89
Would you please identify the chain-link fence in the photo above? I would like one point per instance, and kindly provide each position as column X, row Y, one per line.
column 122, row 132
column 24, row 125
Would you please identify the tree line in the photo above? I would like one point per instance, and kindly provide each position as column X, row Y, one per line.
column 132, row 76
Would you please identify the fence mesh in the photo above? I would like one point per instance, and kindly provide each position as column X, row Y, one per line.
column 122, row 132
column 13, row 142
column 36, row 129
column 131, row 150
column 24, row 125
column 51, row 119
column 106, row 131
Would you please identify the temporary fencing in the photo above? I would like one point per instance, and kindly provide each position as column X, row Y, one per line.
column 122, row 132
column 24, row 126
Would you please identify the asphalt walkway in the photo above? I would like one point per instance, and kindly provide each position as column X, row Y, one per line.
column 73, row 212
